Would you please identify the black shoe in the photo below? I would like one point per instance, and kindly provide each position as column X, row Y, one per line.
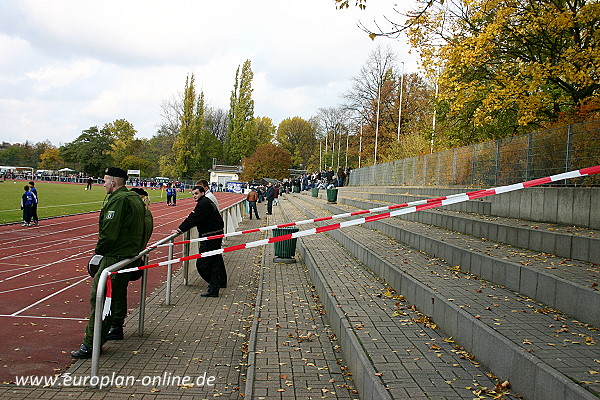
column 209, row 295
column 115, row 333
column 83, row 352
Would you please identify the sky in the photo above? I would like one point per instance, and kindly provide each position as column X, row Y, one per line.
column 67, row 65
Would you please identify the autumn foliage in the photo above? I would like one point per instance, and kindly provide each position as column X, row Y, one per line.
column 268, row 161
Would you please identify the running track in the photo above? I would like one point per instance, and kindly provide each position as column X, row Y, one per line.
column 45, row 288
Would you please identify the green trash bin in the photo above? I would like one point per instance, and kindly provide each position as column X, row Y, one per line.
column 332, row 195
column 286, row 249
column 296, row 189
column 315, row 192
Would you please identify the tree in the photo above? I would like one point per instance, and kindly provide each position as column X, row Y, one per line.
column 90, row 152
column 297, row 136
column 216, row 122
column 264, row 130
column 510, row 66
column 123, row 134
column 185, row 147
column 135, row 162
column 268, row 161
column 240, row 140
column 374, row 98
column 50, row 159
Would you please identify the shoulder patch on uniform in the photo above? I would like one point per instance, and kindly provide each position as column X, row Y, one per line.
column 110, row 215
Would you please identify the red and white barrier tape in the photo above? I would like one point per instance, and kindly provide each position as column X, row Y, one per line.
column 424, row 205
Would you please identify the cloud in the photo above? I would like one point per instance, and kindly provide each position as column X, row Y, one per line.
column 71, row 64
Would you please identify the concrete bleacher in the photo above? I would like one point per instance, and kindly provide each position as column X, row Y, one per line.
column 510, row 280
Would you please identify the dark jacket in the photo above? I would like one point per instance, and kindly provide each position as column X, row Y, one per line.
column 270, row 194
column 205, row 217
column 122, row 225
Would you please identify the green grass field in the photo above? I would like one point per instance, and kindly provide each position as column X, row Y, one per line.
column 58, row 199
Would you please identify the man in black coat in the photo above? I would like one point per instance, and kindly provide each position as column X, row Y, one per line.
column 270, row 196
column 208, row 220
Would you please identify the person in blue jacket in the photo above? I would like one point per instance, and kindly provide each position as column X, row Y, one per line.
column 34, row 215
column 27, row 201
column 169, row 194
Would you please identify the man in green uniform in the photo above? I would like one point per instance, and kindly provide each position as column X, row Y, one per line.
column 121, row 235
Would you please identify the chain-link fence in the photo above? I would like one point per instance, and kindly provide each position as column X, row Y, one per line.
column 501, row 162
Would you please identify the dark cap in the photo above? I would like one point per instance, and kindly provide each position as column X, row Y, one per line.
column 116, row 172
column 139, row 191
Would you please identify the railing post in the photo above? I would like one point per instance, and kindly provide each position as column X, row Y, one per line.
column 142, row 312
column 186, row 252
column 169, row 274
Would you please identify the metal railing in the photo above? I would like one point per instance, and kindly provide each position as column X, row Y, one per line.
column 232, row 216
column 500, row 162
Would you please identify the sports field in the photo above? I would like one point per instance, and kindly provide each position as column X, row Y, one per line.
column 58, row 199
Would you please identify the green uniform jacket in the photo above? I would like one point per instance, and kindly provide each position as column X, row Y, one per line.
column 122, row 232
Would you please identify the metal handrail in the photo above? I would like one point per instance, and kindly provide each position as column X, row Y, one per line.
column 100, row 295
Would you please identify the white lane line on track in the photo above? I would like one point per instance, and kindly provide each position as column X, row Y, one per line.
column 82, row 238
column 48, row 297
column 42, row 235
column 60, row 205
column 42, row 317
column 44, row 266
column 44, row 284
column 37, row 250
column 86, row 257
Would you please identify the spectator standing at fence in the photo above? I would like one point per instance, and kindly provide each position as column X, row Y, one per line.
column 28, row 199
column 340, row 176
column 252, row 198
column 34, row 206
column 329, row 175
column 121, row 235
column 276, row 195
column 210, row 195
column 207, row 192
column 207, row 218
column 119, row 305
column 270, row 196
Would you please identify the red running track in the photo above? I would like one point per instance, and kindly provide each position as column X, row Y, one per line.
column 45, row 288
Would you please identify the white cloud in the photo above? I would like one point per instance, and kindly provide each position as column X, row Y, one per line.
column 71, row 64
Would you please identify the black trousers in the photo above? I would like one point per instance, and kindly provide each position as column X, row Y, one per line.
column 34, row 213
column 211, row 268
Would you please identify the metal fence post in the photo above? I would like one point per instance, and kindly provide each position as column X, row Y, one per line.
column 569, row 151
column 474, row 164
column 169, row 275
column 186, row 252
column 529, row 156
column 498, row 144
column 142, row 313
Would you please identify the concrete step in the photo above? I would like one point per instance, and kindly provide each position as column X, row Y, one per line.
column 565, row 284
column 393, row 351
column 570, row 206
column 544, row 353
column 570, row 242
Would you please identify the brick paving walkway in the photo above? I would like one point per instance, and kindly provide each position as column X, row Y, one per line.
column 294, row 356
column 413, row 358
